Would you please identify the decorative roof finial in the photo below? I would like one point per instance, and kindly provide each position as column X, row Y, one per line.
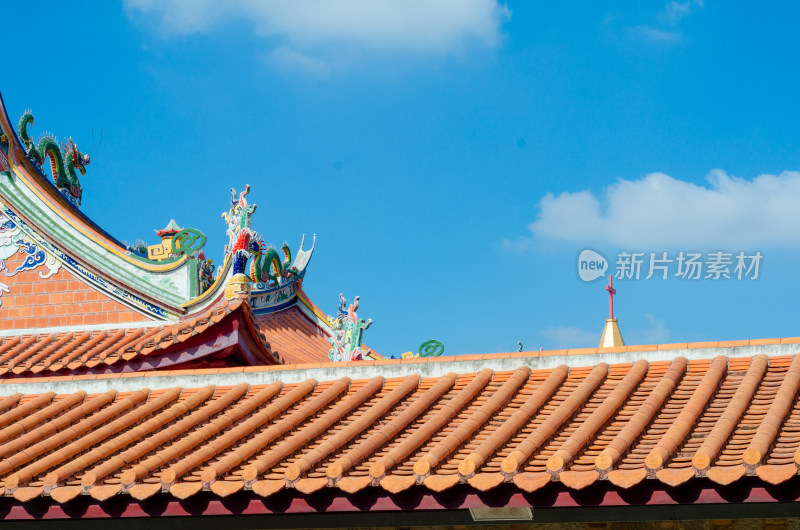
column 611, row 293
column 238, row 217
column 348, row 331
column 611, row 335
column 170, row 230
column 175, row 242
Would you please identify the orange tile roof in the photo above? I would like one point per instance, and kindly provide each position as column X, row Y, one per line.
column 293, row 337
column 669, row 421
column 79, row 351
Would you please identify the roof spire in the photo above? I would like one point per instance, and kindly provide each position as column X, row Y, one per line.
column 611, row 335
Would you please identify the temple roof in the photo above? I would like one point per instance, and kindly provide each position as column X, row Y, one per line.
column 75, row 300
column 293, row 337
column 524, row 420
column 286, row 336
column 133, row 348
column 124, row 378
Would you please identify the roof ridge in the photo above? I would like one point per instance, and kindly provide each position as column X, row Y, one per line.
column 77, row 329
column 368, row 369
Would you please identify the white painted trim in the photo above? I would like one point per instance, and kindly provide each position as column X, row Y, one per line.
column 368, row 370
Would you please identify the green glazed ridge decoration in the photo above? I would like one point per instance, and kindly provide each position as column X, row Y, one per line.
column 431, row 348
column 64, row 160
column 30, row 146
column 244, row 243
column 267, row 265
column 348, row 332
column 127, row 274
column 238, row 217
column 188, row 241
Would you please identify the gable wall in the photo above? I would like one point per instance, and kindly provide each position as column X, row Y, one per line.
column 59, row 299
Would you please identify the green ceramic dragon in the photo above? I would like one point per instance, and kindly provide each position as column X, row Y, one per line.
column 267, row 265
column 30, row 146
column 63, row 161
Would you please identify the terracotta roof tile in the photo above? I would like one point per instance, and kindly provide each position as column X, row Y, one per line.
column 294, row 337
column 182, row 440
column 639, row 420
column 221, row 443
column 727, row 422
column 80, row 350
column 677, row 420
column 772, row 420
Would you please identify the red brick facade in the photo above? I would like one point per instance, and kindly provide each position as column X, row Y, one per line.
column 60, row 300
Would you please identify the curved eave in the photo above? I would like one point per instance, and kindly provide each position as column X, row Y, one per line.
column 99, row 265
column 227, row 329
column 47, row 192
column 32, row 197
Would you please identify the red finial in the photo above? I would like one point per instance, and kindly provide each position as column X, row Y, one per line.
column 611, row 293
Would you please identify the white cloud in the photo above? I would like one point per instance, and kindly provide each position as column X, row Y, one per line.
column 675, row 11
column 666, row 33
column 309, row 27
column 661, row 212
column 656, row 35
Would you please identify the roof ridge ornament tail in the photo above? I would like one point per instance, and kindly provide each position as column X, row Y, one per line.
column 348, row 332
column 238, row 217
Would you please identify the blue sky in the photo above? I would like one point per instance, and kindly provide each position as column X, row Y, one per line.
column 452, row 157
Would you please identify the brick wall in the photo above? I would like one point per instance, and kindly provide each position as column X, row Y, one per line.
column 60, row 300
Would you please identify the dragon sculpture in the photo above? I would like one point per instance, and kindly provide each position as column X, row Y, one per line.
column 30, row 146
column 267, row 265
column 64, row 160
column 238, row 218
column 244, row 243
column 348, row 332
